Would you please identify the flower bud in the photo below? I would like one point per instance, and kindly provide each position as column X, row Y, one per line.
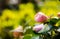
column 40, row 17
column 58, row 14
column 37, row 28
column 41, row 28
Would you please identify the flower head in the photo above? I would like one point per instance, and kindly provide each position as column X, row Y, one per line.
column 18, row 29
column 38, row 27
column 40, row 17
column 41, row 28
column 58, row 14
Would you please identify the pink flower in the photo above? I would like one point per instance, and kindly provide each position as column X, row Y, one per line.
column 58, row 14
column 37, row 28
column 40, row 28
column 40, row 17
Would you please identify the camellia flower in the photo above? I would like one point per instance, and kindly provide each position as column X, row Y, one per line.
column 40, row 28
column 40, row 17
column 58, row 14
column 18, row 31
